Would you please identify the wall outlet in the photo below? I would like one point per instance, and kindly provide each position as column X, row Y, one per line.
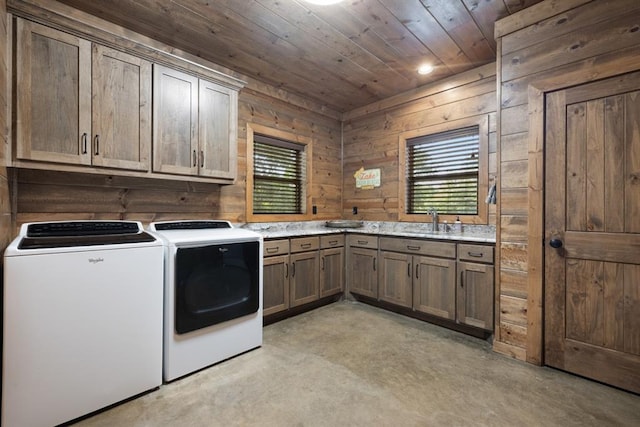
column 354, row 210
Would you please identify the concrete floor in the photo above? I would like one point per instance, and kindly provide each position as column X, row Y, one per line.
column 349, row 364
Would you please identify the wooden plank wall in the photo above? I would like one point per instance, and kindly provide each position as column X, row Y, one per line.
column 5, row 200
column 371, row 136
column 549, row 46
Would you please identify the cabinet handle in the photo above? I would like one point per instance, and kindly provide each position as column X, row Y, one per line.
column 286, row 271
column 462, row 279
column 417, row 271
column 362, row 242
column 96, row 139
column 84, row 143
column 272, row 250
column 322, row 259
column 413, row 248
column 201, row 158
column 305, row 245
column 409, row 269
column 374, row 264
column 293, row 269
column 195, row 159
column 475, row 254
column 333, row 242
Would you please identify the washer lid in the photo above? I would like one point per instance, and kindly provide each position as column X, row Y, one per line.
column 64, row 234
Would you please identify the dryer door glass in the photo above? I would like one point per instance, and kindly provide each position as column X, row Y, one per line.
column 216, row 283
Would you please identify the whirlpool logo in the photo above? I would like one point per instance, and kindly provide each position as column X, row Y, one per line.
column 95, row 260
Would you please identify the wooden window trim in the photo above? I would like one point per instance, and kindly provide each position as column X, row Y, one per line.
column 287, row 136
column 482, row 216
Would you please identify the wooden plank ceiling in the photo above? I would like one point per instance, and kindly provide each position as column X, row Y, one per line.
column 343, row 56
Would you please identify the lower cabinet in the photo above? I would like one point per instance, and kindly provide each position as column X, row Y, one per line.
column 475, row 299
column 275, row 277
column 434, row 290
column 362, row 259
column 331, row 265
column 396, row 278
column 301, row 270
column 305, row 271
column 452, row 281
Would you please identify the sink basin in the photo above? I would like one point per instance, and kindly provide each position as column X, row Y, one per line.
column 344, row 223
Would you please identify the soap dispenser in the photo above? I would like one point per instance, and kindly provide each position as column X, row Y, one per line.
column 457, row 226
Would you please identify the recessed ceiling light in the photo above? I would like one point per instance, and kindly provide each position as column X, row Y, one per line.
column 323, row 2
column 425, row 69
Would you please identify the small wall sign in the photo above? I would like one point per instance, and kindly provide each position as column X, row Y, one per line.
column 367, row 178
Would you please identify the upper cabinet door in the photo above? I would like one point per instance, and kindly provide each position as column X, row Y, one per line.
column 217, row 136
column 175, row 122
column 121, row 110
column 53, row 72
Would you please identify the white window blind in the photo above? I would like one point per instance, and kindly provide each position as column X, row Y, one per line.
column 279, row 175
column 442, row 172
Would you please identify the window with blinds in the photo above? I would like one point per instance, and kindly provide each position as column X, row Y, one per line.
column 279, row 175
column 442, row 172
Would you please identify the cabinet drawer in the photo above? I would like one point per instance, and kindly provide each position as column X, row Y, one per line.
column 331, row 241
column 362, row 241
column 302, row 244
column 475, row 253
column 419, row 247
column 276, row 247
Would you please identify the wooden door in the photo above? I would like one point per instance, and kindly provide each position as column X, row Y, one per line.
column 592, row 231
column 396, row 278
column 435, row 287
column 275, row 278
column 53, row 95
column 175, row 121
column 121, row 110
column 362, row 274
column 475, row 295
column 305, row 276
column 331, row 271
column 217, row 130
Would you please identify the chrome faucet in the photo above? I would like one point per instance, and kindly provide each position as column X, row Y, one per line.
column 434, row 219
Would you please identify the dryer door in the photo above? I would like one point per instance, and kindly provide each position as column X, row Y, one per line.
column 216, row 283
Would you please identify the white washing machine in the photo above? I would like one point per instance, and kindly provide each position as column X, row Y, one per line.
column 82, row 325
column 213, row 293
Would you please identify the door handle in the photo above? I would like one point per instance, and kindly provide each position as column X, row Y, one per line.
column 555, row 243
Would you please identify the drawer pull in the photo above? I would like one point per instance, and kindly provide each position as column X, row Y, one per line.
column 272, row 250
column 305, row 245
column 333, row 242
column 363, row 242
column 413, row 248
column 475, row 254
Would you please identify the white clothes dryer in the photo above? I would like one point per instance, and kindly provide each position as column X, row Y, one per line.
column 213, row 293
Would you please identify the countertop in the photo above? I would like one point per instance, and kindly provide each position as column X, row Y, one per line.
column 470, row 233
